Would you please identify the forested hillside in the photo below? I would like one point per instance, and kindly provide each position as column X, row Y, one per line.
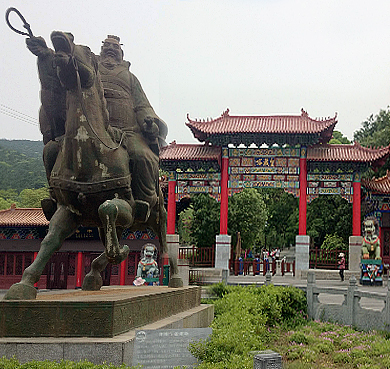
column 21, row 165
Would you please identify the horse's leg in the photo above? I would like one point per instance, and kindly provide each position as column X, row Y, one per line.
column 93, row 280
column 115, row 213
column 63, row 224
column 158, row 223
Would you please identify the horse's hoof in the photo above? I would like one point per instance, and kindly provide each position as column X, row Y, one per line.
column 118, row 258
column 92, row 282
column 175, row 282
column 21, row 291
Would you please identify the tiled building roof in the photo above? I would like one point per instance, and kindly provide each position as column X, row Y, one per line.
column 190, row 152
column 320, row 152
column 277, row 124
column 347, row 153
column 378, row 185
column 19, row 217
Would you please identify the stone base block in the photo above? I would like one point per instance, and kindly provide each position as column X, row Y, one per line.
column 116, row 350
column 105, row 313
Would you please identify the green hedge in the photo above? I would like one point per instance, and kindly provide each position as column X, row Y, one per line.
column 243, row 317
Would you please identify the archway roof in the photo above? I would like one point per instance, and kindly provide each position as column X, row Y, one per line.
column 348, row 153
column 378, row 185
column 269, row 129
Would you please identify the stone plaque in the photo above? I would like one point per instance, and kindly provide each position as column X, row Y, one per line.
column 167, row 348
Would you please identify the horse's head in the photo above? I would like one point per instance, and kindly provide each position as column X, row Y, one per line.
column 63, row 42
column 71, row 59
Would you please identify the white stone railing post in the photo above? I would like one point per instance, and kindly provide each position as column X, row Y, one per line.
column 311, row 283
column 387, row 308
column 348, row 317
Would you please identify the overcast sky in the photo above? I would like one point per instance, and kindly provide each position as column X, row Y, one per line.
column 255, row 57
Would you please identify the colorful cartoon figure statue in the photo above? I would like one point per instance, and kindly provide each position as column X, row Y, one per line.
column 371, row 248
column 147, row 267
column 371, row 261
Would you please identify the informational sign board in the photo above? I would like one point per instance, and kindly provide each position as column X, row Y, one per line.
column 167, row 348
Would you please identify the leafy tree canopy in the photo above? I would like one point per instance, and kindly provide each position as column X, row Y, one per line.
column 333, row 242
column 184, row 225
column 375, row 132
column 247, row 215
column 329, row 215
column 21, row 165
column 339, row 138
column 28, row 198
column 283, row 215
column 205, row 223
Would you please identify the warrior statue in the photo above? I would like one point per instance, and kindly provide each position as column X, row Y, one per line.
column 131, row 113
column 94, row 161
column 134, row 122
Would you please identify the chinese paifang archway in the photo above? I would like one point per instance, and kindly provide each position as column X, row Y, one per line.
column 291, row 152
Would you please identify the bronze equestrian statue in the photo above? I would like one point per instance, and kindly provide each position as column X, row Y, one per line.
column 90, row 173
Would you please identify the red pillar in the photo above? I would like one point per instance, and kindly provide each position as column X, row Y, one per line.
column 356, row 206
column 122, row 276
column 79, row 269
column 223, row 225
column 34, row 257
column 302, row 191
column 171, row 203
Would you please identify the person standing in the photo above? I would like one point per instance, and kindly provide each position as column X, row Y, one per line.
column 341, row 266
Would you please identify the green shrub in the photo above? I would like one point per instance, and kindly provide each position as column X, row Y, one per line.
column 333, row 242
column 243, row 318
column 299, row 337
column 342, row 357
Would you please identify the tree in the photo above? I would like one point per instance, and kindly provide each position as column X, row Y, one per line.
column 186, row 218
column 247, row 215
column 333, row 242
column 29, row 198
column 338, row 138
column 283, row 215
column 205, row 223
column 329, row 215
column 375, row 133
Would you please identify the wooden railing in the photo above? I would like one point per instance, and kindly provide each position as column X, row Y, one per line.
column 198, row 256
column 326, row 259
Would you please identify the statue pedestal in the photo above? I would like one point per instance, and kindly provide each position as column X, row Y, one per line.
column 98, row 326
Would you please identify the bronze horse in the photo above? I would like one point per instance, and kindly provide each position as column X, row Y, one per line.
column 90, row 178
